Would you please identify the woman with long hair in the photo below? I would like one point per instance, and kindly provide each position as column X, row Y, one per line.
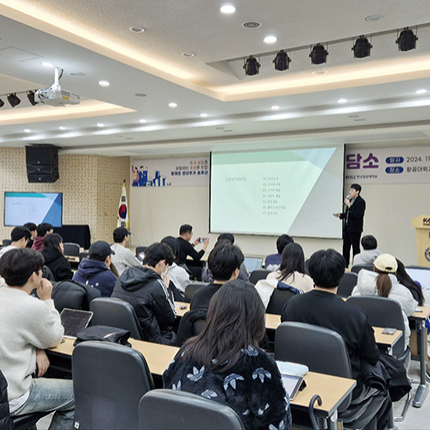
column 409, row 283
column 224, row 362
column 292, row 270
column 53, row 252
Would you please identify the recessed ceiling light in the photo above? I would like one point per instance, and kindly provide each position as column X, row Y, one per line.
column 44, row 64
column 140, row 95
column 173, row 105
column 228, row 9
column 27, row 130
column 422, row 91
column 275, row 107
column 372, row 18
column 204, row 115
column 188, row 54
column 270, row 39
column 104, row 83
column 137, row 29
column 319, row 72
column 342, row 101
column 143, row 121
column 100, row 125
column 251, row 24
column 219, row 128
column 61, row 128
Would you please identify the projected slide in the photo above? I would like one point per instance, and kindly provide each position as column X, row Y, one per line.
column 274, row 192
column 20, row 208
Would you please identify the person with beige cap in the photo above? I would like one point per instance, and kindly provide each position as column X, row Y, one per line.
column 382, row 281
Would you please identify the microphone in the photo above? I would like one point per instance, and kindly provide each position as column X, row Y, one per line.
column 348, row 197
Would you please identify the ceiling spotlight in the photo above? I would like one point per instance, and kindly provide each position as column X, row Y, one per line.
column 362, row 47
column 142, row 121
column 203, row 115
column 30, row 96
column 422, row 91
column 173, row 105
column 275, row 107
column 104, row 83
column 1, row 103
column 270, row 39
column 227, row 9
column 100, row 125
column 282, row 61
column 13, row 100
column 251, row 66
column 318, row 54
column 407, row 40
column 62, row 128
column 342, row 101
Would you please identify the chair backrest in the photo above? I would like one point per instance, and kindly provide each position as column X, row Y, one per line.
column 116, row 313
column 191, row 288
column 108, row 380
column 278, row 300
column 191, row 324
column 74, row 295
column 71, row 249
column 256, row 275
column 6, row 242
column 347, row 284
column 83, row 255
column 321, row 349
column 179, row 410
column 358, row 267
column 383, row 312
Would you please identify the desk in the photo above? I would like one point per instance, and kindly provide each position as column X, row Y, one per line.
column 185, row 308
column 420, row 318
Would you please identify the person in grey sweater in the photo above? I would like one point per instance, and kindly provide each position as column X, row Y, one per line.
column 369, row 253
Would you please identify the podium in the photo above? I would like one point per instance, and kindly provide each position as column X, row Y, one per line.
column 422, row 229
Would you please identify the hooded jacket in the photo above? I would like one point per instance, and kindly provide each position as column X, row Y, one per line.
column 367, row 256
column 58, row 263
column 144, row 289
column 96, row 274
column 38, row 243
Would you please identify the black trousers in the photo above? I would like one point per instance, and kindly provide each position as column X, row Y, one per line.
column 350, row 238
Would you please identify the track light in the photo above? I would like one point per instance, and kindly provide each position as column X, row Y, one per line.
column 1, row 103
column 318, row 54
column 13, row 99
column 30, row 96
column 282, row 61
column 251, row 66
column 362, row 47
column 407, row 40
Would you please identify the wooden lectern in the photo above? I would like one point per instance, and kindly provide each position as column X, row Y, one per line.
column 422, row 229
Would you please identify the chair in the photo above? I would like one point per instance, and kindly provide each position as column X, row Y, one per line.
column 277, row 301
column 108, row 380
column 179, row 410
column 74, row 295
column 71, row 249
column 83, row 255
column 358, row 267
column 191, row 288
column 256, row 275
column 6, row 242
column 116, row 313
column 191, row 324
column 347, row 284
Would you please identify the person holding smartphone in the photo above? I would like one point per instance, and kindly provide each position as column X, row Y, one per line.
column 186, row 248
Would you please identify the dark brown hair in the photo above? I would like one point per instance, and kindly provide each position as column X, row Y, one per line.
column 383, row 282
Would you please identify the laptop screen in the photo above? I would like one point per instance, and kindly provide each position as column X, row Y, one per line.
column 253, row 263
column 74, row 320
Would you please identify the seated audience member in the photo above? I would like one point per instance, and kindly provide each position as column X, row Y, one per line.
column 322, row 307
column 95, row 270
column 226, row 238
column 273, row 261
column 20, row 237
column 177, row 274
column 383, row 282
column 228, row 366
column 292, row 270
column 146, row 289
column 186, row 248
column 42, row 230
column 369, row 253
column 123, row 257
column 53, row 252
column 419, row 294
column 33, row 230
column 27, row 327
column 224, row 262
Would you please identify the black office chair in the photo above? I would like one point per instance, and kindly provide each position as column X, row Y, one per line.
column 116, row 313
column 83, row 255
column 191, row 324
column 73, row 295
column 108, row 380
column 277, row 301
column 179, row 410
column 347, row 284
column 6, row 242
column 71, row 249
column 256, row 275
column 358, row 267
column 191, row 288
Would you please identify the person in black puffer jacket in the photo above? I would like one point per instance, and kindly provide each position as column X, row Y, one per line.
column 146, row 289
column 54, row 258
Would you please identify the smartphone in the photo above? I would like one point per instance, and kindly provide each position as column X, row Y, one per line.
column 388, row 330
column 202, row 239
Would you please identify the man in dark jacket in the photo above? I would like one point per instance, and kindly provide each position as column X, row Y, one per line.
column 95, row 271
column 146, row 289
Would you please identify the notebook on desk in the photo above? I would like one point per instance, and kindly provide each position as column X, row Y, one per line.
column 74, row 320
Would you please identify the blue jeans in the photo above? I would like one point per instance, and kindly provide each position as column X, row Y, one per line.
column 51, row 395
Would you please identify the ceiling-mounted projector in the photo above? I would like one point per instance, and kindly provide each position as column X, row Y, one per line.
column 55, row 96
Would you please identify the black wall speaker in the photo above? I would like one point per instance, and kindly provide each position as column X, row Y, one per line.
column 42, row 163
